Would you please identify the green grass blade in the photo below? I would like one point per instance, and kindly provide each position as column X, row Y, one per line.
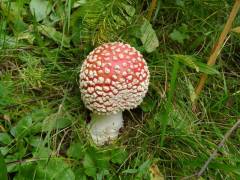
column 3, row 168
column 165, row 117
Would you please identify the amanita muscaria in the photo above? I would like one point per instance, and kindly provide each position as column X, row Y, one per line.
column 114, row 77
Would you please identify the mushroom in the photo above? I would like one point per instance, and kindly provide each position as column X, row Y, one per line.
column 114, row 77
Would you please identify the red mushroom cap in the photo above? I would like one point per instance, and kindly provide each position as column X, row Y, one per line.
column 114, row 77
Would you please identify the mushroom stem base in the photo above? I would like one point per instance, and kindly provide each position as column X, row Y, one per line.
column 105, row 128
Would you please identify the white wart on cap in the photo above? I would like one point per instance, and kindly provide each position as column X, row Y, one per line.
column 114, row 77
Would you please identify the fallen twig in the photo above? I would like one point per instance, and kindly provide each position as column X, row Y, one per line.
column 214, row 154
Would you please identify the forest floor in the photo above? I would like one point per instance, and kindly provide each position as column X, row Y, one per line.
column 43, row 122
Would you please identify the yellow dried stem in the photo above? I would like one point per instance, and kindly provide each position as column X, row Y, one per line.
column 151, row 9
column 218, row 46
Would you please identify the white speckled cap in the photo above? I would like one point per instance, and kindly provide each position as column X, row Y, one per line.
column 113, row 77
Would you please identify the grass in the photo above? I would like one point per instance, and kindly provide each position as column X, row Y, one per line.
column 43, row 129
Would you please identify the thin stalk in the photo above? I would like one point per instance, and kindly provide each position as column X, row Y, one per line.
column 218, row 46
column 151, row 9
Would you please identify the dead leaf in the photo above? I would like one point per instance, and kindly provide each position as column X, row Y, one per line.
column 2, row 129
column 236, row 30
column 7, row 118
column 155, row 174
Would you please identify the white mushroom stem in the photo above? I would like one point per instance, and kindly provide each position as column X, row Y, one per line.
column 105, row 128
